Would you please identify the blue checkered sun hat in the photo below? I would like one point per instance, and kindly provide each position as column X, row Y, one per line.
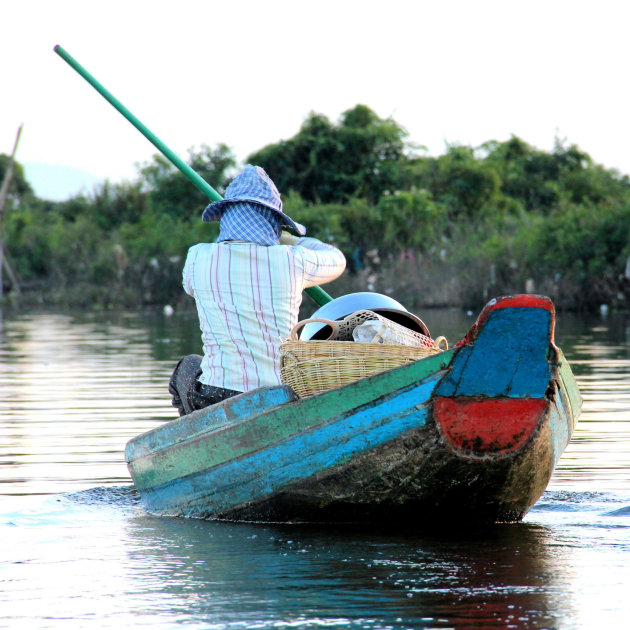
column 252, row 185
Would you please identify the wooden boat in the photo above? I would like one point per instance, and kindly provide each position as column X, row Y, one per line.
column 472, row 434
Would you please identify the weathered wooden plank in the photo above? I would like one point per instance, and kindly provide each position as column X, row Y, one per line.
column 491, row 426
column 509, row 357
column 339, row 436
column 238, row 409
column 561, row 423
column 269, row 426
column 269, row 469
column 569, row 386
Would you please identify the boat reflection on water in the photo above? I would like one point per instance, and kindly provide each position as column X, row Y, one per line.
column 509, row 576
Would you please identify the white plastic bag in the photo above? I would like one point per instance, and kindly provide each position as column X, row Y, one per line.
column 375, row 331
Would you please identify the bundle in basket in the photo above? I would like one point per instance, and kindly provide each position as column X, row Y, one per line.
column 312, row 367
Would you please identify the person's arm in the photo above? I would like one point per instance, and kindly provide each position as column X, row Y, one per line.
column 187, row 272
column 322, row 262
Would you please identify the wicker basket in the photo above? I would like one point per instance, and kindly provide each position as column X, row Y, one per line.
column 312, row 367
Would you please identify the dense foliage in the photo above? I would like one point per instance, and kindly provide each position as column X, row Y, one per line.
column 457, row 229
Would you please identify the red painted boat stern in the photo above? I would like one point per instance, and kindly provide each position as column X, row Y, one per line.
column 493, row 426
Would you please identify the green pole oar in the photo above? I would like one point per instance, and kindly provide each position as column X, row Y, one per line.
column 316, row 293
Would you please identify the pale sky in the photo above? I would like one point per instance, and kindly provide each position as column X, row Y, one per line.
column 247, row 73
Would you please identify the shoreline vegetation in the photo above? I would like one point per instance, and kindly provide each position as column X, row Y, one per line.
column 453, row 230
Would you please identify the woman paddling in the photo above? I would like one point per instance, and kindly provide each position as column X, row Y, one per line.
column 248, row 289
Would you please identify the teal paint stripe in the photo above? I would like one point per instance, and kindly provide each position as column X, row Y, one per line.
column 569, row 385
column 230, row 412
column 509, row 358
column 560, row 426
column 261, row 474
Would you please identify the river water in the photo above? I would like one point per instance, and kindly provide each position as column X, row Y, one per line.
column 78, row 551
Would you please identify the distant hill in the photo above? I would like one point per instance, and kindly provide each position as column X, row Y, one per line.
column 58, row 183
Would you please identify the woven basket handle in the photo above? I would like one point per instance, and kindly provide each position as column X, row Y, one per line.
column 440, row 343
column 334, row 325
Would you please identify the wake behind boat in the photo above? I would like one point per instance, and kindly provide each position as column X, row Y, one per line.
column 472, row 433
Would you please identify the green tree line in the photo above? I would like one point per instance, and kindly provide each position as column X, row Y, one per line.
column 456, row 229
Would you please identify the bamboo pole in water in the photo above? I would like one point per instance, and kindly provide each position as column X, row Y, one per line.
column 316, row 293
column 4, row 193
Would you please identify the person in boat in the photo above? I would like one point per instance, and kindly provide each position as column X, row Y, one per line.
column 247, row 288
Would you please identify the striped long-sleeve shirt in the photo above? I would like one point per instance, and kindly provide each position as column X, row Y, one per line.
column 248, row 297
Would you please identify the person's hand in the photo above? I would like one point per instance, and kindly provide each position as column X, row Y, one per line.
column 288, row 239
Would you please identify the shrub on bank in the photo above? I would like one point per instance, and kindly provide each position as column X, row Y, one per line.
column 450, row 230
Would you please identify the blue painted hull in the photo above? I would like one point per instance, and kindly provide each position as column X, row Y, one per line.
column 426, row 441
